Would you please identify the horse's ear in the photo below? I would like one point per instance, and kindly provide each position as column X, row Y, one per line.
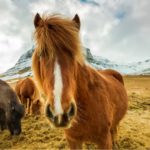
column 37, row 20
column 76, row 19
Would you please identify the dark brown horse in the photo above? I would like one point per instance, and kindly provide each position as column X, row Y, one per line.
column 11, row 111
column 87, row 103
column 28, row 93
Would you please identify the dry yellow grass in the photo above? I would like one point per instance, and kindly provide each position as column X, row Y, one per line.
column 133, row 133
column 139, row 85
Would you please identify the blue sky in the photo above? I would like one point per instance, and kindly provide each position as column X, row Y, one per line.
column 115, row 29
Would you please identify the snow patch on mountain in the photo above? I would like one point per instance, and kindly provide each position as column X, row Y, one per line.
column 23, row 67
column 130, row 68
column 137, row 68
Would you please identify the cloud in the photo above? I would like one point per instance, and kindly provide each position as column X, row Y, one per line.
column 115, row 29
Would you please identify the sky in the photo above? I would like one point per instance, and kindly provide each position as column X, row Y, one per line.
column 118, row 30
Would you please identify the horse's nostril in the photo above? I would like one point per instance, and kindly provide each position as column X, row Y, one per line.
column 56, row 119
column 61, row 120
column 49, row 113
column 71, row 111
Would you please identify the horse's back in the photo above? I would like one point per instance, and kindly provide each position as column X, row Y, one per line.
column 113, row 73
column 3, row 90
column 3, row 85
column 6, row 92
column 2, row 82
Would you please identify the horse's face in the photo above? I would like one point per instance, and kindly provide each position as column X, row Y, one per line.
column 60, row 108
column 58, row 73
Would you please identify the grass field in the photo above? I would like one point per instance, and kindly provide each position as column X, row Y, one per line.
column 133, row 132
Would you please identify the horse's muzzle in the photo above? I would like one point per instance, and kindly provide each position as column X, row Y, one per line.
column 15, row 132
column 61, row 120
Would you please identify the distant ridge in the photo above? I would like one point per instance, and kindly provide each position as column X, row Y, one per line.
column 23, row 66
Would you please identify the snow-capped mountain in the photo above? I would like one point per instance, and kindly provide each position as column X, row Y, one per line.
column 137, row 68
column 23, row 67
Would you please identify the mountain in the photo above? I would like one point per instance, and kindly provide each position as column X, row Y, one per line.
column 23, row 66
column 137, row 68
column 21, row 69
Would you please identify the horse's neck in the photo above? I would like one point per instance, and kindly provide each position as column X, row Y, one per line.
column 88, row 77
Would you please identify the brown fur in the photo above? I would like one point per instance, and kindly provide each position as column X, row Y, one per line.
column 11, row 110
column 101, row 100
column 113, row 73
column 28, row 94
column 36, row 107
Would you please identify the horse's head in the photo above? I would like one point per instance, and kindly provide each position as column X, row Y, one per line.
column 55, row 61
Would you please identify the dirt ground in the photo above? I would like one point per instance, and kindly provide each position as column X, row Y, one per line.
column 133, row 132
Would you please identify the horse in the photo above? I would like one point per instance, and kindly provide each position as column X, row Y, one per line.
column 11, row 110
column 86, row 103
column 28, row 94
column 37, row 107
column 113, row 73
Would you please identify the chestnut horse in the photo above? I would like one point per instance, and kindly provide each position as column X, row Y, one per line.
column 28, row 94
column 87, row 103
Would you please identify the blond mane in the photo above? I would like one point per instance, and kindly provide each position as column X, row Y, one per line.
column 54, row 34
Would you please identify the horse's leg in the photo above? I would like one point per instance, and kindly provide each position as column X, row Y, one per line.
column 2, row 120
column 3, row 126
column 24, row 102
column 105, row 142
column 20, row 99
column 114, row 137
column 74, row 145
column 28, row 105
